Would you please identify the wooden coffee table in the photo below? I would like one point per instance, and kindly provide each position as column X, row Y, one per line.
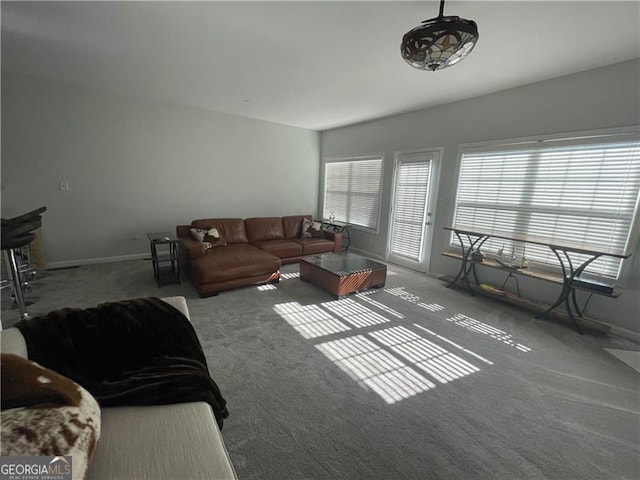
column 343, row 273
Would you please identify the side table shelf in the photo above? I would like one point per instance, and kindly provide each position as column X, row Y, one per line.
column 164, row 257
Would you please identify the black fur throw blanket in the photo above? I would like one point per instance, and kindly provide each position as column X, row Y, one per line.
column 135, row 352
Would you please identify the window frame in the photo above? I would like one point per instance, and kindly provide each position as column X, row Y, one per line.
column 612, row 135
column 353, row 158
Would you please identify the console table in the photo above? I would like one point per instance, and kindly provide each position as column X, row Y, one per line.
column 569, row 279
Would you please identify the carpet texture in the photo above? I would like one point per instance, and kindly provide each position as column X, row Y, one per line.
column 413, row 381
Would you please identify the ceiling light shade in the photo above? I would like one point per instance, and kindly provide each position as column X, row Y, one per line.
column 439, row 42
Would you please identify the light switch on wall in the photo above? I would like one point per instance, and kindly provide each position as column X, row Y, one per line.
column 63, row 186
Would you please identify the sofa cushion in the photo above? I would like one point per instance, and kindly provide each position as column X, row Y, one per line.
column 281, row 248
column 231, row 230
column 264, row 228
column 313, row 246
column 231, row 262
column 161, row 442
column 292, row 225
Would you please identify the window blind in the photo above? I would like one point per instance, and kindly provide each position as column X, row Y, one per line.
column 584, row 195
column 412, row 187
column 352, row 190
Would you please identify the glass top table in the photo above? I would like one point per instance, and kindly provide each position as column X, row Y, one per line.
column 342, row 274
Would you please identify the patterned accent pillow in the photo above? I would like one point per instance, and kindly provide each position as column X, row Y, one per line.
column 200, row 234
column 45, row 413
column 208, row 237
column 311, row 229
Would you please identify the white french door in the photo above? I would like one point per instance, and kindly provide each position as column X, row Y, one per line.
column 410, row 236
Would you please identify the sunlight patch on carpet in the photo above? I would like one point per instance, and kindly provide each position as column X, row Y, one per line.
column 310, row 321
column 411, row 298
column 365, row 297
column 289, row 276
column 354, row 313
column 479, row 327
column 374, row 368
column 438, row 362
column 392, row 361
column 454, row 344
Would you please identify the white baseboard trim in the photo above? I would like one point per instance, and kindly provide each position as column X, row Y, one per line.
column 625, row 333
column 367, row 254
column 93, row 261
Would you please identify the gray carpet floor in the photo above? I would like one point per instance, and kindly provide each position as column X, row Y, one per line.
column 413, row 381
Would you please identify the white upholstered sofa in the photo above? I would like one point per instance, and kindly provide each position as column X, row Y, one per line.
column 160, row 442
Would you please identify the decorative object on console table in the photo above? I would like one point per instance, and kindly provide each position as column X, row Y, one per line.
column 166, row 268
column 477, row 256
column 339, row 227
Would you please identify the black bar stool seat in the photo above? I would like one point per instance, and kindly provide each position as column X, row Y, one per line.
column 13, row 230
column 9, row 243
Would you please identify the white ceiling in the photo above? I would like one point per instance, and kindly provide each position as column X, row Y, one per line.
column 316, row 65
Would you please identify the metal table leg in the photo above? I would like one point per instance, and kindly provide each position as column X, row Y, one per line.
column 568, row 293
column 468, row 267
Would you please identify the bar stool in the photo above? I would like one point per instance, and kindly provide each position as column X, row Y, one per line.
column 9, row 243
column 16, row 234
column 23, row 258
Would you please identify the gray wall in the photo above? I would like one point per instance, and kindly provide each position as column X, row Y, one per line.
column 599, row 98
column 137, row 166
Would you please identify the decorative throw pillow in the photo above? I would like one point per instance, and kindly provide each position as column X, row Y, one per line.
column 208, row 237
column 311, row 229
column 200, row 234
column 45, row 413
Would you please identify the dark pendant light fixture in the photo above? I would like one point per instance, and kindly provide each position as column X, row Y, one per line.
column 439, row 42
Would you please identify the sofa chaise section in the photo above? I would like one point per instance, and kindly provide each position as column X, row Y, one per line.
column 231, row 266
column 235, row 264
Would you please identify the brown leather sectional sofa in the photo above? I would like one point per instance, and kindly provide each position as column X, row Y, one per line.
column 254, row 251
